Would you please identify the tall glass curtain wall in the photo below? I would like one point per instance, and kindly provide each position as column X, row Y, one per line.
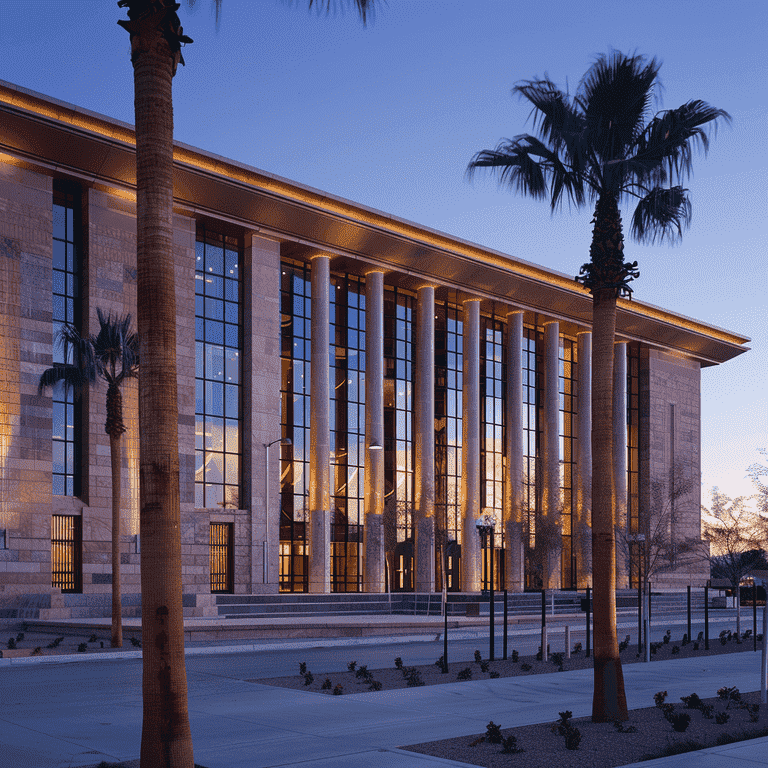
column 295, row 323
column 633, row 457
column 567, row 387
column 492, row 389
column 347, row 415
column 66, row 308
column 399, row 330
column 449, row 341
column 218, row 356
column 347, row 419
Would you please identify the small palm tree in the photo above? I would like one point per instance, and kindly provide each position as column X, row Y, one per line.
column 111, row 355
column 603, row 146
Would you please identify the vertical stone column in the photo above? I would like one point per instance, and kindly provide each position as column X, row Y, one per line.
column 550, row 543
column 514, row 566
column 424, row 441
column 374, row 432
column 620, row 463
column 583, row 527
column 470, row 449
column 261, row 407
column 319, row 430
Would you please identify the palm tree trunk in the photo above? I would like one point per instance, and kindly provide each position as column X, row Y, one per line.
column 165, row 739
column 117, row 615
column 609, row 700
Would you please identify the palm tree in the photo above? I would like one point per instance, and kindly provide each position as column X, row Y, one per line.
column 603, row 146
column 156, row 41
column 111, row 355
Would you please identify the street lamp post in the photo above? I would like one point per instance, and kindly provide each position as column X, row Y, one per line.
column 265, row 543
column 642, row 578
column 485, row 526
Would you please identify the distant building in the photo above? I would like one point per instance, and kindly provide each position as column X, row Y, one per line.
column 423, row 382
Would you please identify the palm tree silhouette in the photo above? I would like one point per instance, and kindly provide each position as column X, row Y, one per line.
column 113, row 356
column 603, row 146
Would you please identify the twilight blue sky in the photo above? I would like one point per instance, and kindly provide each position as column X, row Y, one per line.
column 389, row 115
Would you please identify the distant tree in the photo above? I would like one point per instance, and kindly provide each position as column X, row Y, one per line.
column 111, row 355
column 759, row 475
column 736, row 536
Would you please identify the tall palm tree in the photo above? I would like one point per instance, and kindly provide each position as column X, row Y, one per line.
column 603, row 146
column 156, row 41
column 112, row 355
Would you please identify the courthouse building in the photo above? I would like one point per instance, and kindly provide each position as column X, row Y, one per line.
column 356, row 392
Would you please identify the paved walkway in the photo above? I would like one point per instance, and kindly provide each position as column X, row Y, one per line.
column 74, row 714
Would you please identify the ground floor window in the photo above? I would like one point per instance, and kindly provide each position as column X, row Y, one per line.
column 221, row 557
column 67, row 553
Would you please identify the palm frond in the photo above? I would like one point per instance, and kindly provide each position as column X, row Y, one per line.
column 616, row 92
column 664, row 151
column 62, row 373
column 365, row 8
column 661, row 215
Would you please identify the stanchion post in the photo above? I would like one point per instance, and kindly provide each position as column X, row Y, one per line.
column 445, row 643
column 567, row 642
column 492, row 612
column 544, row 625
column 589, row 611
column 689, row 614
column 706, row 618
column 754, row 614
column 505, row 624
column 639, row 616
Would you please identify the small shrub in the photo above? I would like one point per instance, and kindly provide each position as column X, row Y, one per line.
column 659, row 698
column 11, row 643
column 478, row 657
column 484, row 666
column 493, row 733
column 135, row 642
column 571, row 734
column 691, row 702
column 363, row 673
column 440, row 663
column 398, row 663
column 700, row 636
column 93, row 638
column 675, row 650
column 338, row 689
column 680, row 721
column 696, row 646
column 55, row 643
column 525, row 667
column 747, row 635
column 309, row 678
column 493, row 674
column 327, row 684
column 351, row 666
column 685, row 639
column 375, row 685
column 464, row 674
column 655, row 648
column 82, row 648
column 413, row 677
column 724, row 637
column 509, row 746
column 668, row 710
column 557, row 660
column 303, row 668
column 37, row 651
column 721, row 718
column 577, row 648
column 515, row 657
column 707, row 710
column 666, row 637
column 619, row 726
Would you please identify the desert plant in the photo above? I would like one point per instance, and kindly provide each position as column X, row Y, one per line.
column 93, row 638
column 440, row 663
column 363, row 673
column 412, row 677
column 37, row 651
column 478, row 657
column 55, row 643
column 493, row 733
column 666, row 637
column 464, row 674
column 659, row 698
column 327, row 684
column 484, row 665
column 680, row 721
column 685, row 639
column 691, row 702
column 82, row 648
column 509, row 746
column 569, row 732
column 724, row 637
column 19, row 637
column 493, row 674
column 338, row 690
column 557, row 660
column 135, row 642
column 398, row 663
column 351, row 666
column 707, row 710
column 754, row 713
column 11, row 643
column 624, row 644
column 515, row 657
column 696, row 646
column 577, row 648
column 308, row 678
column 303, row 668
column 675, row 650
column 619, row 726
column 721, row 718
column 375, row 685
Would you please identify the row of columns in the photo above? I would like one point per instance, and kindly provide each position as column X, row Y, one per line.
column 549, row 531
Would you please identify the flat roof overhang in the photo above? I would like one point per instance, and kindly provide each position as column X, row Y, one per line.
column 42, row 133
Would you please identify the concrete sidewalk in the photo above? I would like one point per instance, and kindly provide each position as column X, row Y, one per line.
column 57, row 715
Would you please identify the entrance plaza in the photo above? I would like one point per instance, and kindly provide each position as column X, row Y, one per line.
column 356, row 392
column 78, row 710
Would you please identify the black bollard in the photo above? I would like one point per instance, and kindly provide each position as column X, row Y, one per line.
column 445, row 642
column 706, row 618
column 689, row 613
column 505, row 624
column 589, row 611
column 754, row 614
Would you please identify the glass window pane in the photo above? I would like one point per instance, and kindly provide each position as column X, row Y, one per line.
column 232, row 405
